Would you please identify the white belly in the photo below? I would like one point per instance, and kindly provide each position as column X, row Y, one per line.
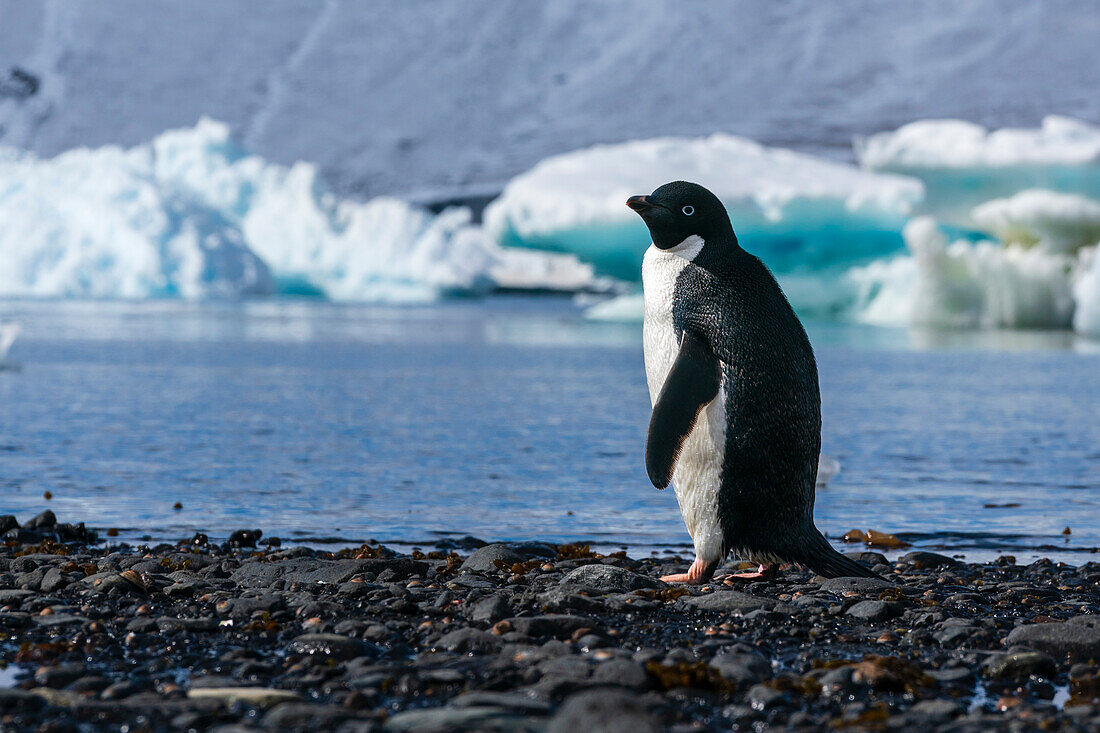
column 697, row 477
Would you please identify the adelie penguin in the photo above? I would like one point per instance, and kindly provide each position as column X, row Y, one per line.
column 736, row 423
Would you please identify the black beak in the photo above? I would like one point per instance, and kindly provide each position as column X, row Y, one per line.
column 639, row 203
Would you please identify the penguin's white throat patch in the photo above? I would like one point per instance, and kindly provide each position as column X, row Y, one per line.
column 689, row 249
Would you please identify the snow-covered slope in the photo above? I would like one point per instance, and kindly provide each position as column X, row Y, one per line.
column 397, row 97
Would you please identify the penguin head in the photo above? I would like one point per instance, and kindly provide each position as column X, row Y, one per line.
column 683, row 217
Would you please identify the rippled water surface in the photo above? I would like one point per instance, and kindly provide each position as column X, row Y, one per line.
column 511, row 419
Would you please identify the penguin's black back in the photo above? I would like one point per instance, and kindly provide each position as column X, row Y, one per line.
column 772, row 401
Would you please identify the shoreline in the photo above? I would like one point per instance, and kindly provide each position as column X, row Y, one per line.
column 527, row 636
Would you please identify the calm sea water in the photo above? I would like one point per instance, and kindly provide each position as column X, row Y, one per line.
column 511, row 419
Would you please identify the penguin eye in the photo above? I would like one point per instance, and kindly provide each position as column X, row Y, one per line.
column 688, row 210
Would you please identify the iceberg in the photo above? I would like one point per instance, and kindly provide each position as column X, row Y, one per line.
column 192, row 215
column 796, row 212
column 1059, row 222
column 963, row 164
column 965, row 284
column 1086, row 291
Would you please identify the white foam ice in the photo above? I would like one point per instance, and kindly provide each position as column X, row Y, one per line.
column 963, row 165
column 1059, row 222
column 794, row 210
column 967, row 284
column 192, row 215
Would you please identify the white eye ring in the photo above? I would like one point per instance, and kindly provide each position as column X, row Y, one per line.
column 688, row 210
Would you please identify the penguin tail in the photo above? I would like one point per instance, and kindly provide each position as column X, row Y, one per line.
column 818, row 555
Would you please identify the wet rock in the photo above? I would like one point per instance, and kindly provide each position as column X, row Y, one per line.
column 560, row 626
column 610, row 579
column 15, row 596
column 12, row 701
column 1058, row 639
column 935, row 711
column 489, row 610
column 45, row 520
column 54, row 580
column 470, row 640
column 762, row 697
column 296, row 716
column 333, row 646
column 870, row 611
column 744, row 669
column 727, row 601
column 859, row 585
column 622, row 673
column 310, row 571
column 245, row 537
column 7, row 523
column 60, row 676
column 563, row 600
column 607, row 711
column 445, row 720
column 485, row 559
column 1019, row 666
column 504, row 700
column 925, row 560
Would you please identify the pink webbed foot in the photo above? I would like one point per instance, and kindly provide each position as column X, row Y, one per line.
column 699, row 572
column 764, row 572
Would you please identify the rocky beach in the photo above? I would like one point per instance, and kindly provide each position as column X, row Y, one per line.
column 247, row 634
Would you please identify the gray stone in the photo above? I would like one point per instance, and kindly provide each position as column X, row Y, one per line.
column 470, row 640
column 441, row 720
column 489, row 610
column 561, row 599
column 762, row 697
column 334, row 646
column 1019, row 666
column 936, row 710
column 61, row 675
column 869, row 611
column 859, row 585
column 45, row 520
column 607, row 711
column 611, row 579
column 559, row 626
column 53, row 580
column 513, row 701
column 744, row 669
column 14, row 597
column 921, row 559
column 297, row 715
column 1058, row 639
column 485, row 559
column 727, row 600
column 59, row 619
column 623, row 673
column 19, row 700
column 310, row 571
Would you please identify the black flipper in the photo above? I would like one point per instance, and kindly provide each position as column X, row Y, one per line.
column 692, row 382
column 818, row 555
